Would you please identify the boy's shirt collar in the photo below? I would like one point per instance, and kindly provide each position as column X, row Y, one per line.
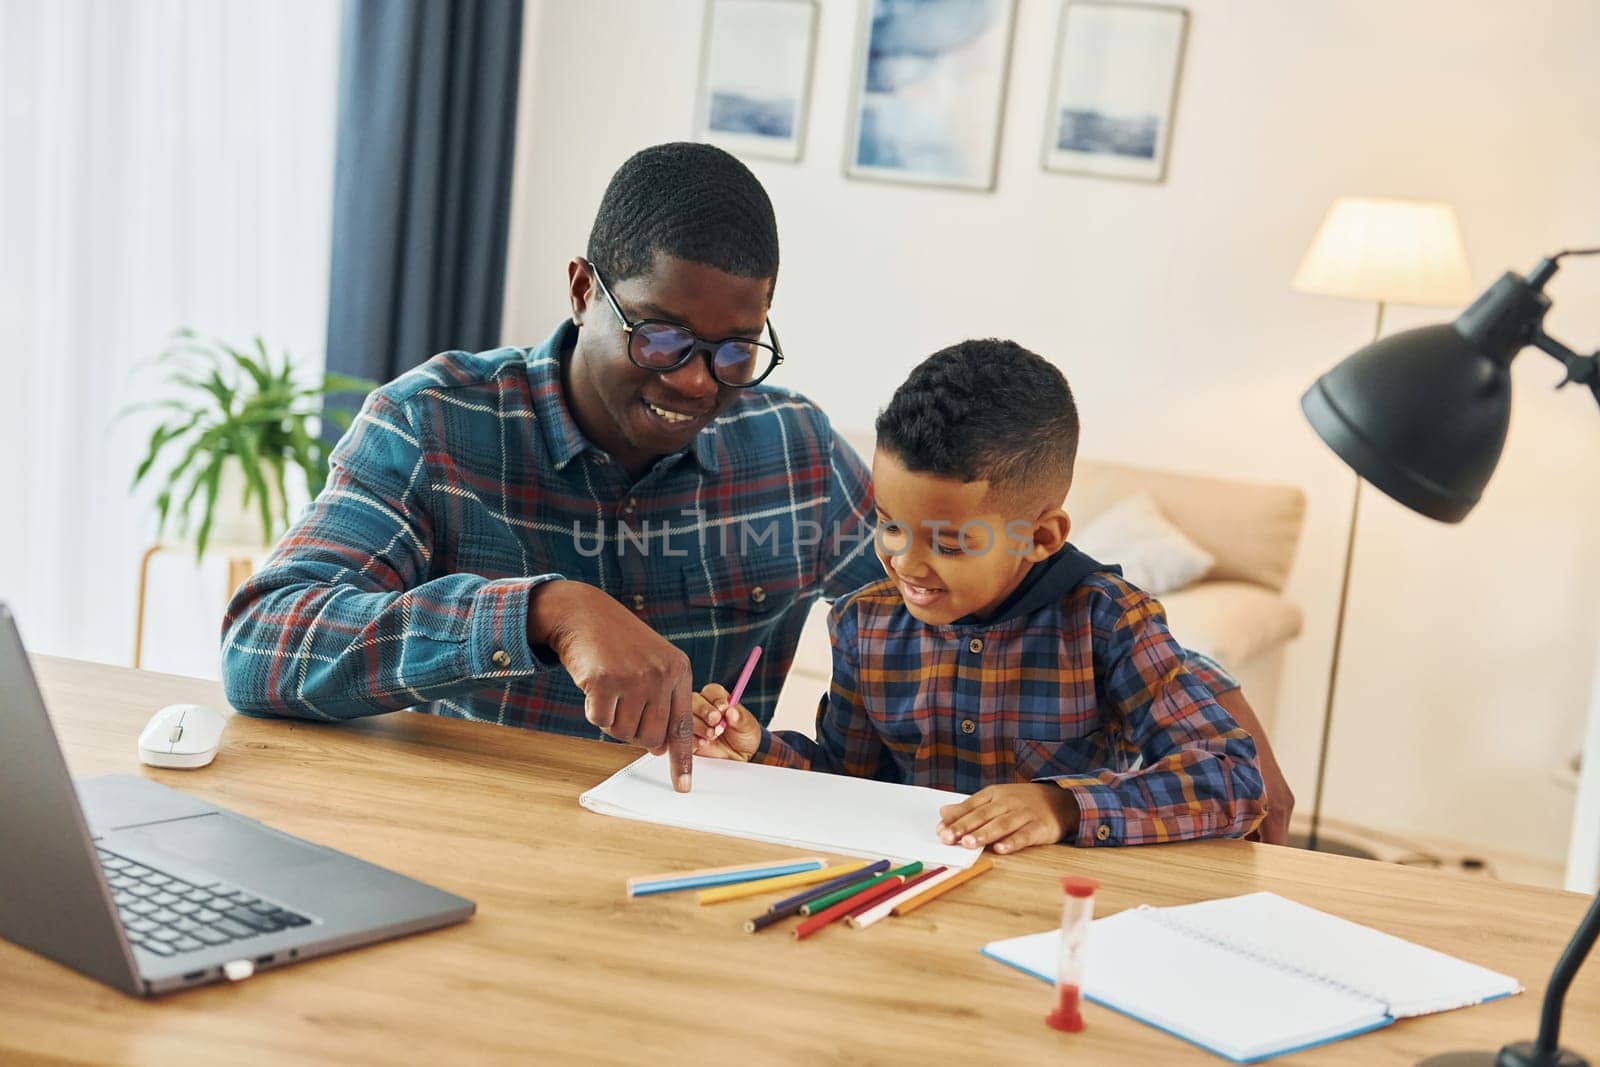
column 1045, row 583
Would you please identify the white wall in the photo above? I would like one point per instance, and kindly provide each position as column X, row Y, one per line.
column 162, row 164
column 1469, row 652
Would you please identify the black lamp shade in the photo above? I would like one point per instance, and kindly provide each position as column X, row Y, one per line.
column 1422, row 415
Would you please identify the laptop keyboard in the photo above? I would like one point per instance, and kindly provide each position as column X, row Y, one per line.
column 167, row 916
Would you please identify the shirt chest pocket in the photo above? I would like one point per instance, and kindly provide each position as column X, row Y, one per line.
column 1049, row 746
column 750, row 588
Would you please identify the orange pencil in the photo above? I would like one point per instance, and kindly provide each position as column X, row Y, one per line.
column 942, row 888
column 878, row 892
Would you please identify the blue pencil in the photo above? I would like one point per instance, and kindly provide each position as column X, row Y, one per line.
column 649, row 884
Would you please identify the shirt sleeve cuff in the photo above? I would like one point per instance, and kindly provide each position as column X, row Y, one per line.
column 497, row 634
column 1101, row 820
column 775, row 752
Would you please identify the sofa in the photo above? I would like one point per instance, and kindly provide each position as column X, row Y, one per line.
column 1235, row 612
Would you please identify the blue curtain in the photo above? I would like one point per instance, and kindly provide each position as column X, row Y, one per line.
column 422, row 181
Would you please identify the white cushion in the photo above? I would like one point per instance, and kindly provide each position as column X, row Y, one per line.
column 1153, row 553
column 813, row 657
column 1232, row 622
column 1251, row 529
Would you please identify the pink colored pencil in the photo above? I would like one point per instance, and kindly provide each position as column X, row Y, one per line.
column 744, row 676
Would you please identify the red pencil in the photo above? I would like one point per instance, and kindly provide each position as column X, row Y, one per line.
column 883, row 901
column 848, row 904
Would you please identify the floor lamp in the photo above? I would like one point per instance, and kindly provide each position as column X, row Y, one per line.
column 1386, row 252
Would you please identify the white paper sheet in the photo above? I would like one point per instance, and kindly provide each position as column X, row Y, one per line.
column 804, row 809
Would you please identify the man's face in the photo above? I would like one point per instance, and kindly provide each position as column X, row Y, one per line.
column 943, row 575
column 637, row 414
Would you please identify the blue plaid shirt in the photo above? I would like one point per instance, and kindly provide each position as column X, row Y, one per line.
column 465, row 483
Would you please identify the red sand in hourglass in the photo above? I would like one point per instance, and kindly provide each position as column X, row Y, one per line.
column 1067, row 1016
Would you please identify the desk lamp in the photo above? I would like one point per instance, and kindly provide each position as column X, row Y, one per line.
column 1422, row 415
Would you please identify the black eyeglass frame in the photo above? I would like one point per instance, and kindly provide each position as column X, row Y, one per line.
column 700, row 345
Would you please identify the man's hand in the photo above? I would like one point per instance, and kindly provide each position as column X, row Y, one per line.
column 1010, row 817
column 722, row 731
column 635, row 683
column 1274, row 829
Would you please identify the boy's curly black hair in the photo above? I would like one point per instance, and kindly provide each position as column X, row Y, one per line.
column 986, row 410
column 691, row 201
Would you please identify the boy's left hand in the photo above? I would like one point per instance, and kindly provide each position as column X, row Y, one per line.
column 1010, row 817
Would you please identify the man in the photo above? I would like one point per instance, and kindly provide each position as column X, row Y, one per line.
column 573, row 537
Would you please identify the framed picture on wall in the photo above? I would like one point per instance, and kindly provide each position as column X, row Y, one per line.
column 755, row 76
column 1115, row 89
column 930, row 91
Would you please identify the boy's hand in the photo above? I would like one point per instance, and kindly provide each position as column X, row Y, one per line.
column 721, row 731
column 1010, row 817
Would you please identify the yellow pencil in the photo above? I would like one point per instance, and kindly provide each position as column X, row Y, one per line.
column 767, row 885
column 983, row 864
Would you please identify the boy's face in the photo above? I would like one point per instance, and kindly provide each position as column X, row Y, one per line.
column 951, row 549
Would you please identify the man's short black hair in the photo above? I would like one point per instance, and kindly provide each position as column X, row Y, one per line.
column 691, row 201
column 987, row 410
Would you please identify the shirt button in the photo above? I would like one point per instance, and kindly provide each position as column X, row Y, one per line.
column 638, row 602
column 758, row 595
column 1103, row 833
column 968, row 726
column 975, row 645
column 501, row 658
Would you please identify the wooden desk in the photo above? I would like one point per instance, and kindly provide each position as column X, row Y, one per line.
column 559, row 967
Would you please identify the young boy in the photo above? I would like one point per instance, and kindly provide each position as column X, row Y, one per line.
column 996, row 659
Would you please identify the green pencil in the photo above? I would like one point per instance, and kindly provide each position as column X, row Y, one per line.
column 822, row 903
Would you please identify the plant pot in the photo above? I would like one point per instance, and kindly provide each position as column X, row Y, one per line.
column 236, row 524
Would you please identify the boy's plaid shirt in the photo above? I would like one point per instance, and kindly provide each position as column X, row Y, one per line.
column 466, row 483
column 1089, row 691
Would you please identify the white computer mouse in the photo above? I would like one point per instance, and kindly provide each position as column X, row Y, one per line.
column 182, row 735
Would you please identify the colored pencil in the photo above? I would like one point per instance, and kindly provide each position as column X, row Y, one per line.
column 648, row 884
column 828, row 900
column 860, row 907
column 767, row 885
column 744, row 676
column 868, row 897
column 764, row 920
column 865, row 917
column 811, row 907
column 983, row 864
column 790, row 905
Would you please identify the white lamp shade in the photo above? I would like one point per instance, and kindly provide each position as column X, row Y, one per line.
column 1397, row 251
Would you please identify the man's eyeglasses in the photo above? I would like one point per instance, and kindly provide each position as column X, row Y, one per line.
column 661, row 345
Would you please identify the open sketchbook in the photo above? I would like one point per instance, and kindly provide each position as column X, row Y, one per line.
column 1257, row 976
column 805, row 809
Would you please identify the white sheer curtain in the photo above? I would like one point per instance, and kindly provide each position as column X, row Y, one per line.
column 163, row 163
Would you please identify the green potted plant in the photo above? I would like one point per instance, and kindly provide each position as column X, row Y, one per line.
column 236, row 423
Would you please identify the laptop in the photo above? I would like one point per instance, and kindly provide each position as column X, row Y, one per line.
column 150, row 890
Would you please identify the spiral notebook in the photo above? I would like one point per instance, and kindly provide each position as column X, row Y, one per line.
column 1257, row 976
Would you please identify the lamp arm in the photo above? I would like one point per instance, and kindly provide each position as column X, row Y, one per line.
column 1583, row 370
column 1566, row 969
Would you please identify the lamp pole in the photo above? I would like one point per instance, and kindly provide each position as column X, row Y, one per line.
column 1312, row 841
